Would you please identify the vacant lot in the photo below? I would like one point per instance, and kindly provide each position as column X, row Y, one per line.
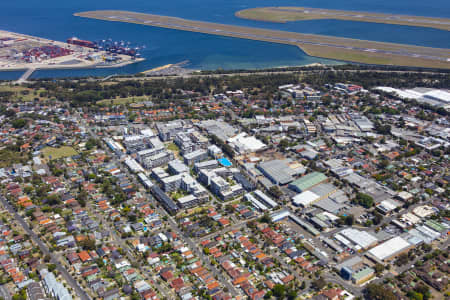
column 51, row 153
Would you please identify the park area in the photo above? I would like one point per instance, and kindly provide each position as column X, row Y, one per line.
column 51, row 153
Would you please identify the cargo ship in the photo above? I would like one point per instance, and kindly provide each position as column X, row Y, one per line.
column 82, row 43
column 108, row 46
column 118, row 47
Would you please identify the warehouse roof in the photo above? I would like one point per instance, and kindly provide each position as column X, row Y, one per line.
column 308, row 181
column 276, row 170
column 436, row 226
column 244, row 143
column 389, row 248
column 329, row 205
column 363, row 273
column 266, row 199
column 349, row 263
column 358, row 237
column 305, row 199
column 323, row 189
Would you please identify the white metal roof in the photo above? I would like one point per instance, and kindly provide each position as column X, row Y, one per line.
column 389, row 248
column 358, row 237
column 305, row 199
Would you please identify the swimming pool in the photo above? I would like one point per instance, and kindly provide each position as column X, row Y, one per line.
column 224, row 162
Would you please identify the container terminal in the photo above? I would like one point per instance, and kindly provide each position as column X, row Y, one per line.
column 24, row 52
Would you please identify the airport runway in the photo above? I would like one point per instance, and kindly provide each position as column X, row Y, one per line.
column 294, row 13
column 440, row 57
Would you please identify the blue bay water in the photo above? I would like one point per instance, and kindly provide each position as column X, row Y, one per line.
column 54, row 19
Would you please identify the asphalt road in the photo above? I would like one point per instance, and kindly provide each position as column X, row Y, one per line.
column 173, row 225
column 4, row 292
column 70, row 280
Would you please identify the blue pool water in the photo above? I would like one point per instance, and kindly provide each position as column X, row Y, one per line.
column 224, row 162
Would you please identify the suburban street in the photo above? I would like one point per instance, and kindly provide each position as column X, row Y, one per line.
column 53, row 259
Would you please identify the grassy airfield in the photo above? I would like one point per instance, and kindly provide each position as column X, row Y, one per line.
column 289, row 14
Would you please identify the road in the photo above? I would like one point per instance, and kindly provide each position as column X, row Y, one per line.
column 274, row 254
column 44, row 249
column 237, row 225
column 333, row 278
column 173, row 225
column 25, row 76
column 205, row 259
column 162, row 289
column 4, row 292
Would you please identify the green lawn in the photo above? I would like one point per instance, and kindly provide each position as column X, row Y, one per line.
column 7, row 158
column 173, row 147
column 55, row 153
column 119, row 101
column 22, row 93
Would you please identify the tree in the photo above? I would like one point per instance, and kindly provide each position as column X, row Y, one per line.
column 382, row 129
column 51, row 267
column 292, row 294
column 284, row 143
column 279, row 290
column 379, row 268
column 88, row 244
column 379, row 292
column 22, row 295
column 364, row 200
column 413, row 295
column 319, row 283
column 377, row 218
column 91, row 143
column 423, row 290
column 82, row 197
column 53, row 199
column 349, row 220
column 18, row 123
column 265, row 219
column 303, row 285
column 100, row 262
column 426, row 247
column 29, row 213
column 402, row 259
column 384, row 163
column 275, row 191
